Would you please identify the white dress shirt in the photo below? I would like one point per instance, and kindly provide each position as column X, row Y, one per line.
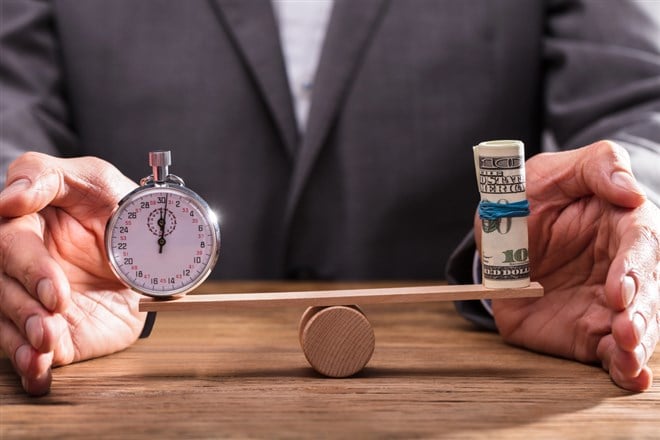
column 302, row 26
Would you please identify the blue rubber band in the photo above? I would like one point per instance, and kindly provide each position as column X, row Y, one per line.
column 494, row 211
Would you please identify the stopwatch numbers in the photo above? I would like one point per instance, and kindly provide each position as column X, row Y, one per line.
column 163, row 242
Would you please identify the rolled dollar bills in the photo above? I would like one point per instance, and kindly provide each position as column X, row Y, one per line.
column 500, row 167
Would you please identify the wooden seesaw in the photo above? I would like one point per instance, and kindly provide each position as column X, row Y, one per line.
column 337, row 339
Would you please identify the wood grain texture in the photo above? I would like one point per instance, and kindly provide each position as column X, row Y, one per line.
column 337, row 341
column 243, row 375
column 380, row 295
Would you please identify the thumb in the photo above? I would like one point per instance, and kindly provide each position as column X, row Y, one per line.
column 602, row 169
column 32, row 183
column 36, row 180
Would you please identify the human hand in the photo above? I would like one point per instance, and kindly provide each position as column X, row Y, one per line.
column 594, row 244
column 59, row 301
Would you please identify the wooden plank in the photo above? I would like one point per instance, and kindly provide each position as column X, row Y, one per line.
column 387, row 295
column 242, row 375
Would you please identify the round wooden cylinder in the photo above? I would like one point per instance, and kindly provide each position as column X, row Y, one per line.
column 338, row 341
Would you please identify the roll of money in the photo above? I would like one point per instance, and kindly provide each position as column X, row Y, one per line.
column 500, row 168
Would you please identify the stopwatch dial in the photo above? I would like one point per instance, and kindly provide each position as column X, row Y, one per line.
column 161, row 221
column 163, row 241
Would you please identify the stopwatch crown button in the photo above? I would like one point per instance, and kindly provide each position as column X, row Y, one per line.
column 160, row 158
column 159, row 161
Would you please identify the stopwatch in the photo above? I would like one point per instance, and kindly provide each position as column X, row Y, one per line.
column 162, row 239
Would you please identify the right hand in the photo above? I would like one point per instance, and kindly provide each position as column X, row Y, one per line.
column 594, row 244
column 59, row 301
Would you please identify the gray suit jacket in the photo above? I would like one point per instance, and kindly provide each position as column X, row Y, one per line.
column 382, row 183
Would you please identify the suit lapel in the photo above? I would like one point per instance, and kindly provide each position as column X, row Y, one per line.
column 351, row 25
column 254, row 31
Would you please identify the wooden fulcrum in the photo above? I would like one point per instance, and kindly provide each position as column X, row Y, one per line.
column 337, row 339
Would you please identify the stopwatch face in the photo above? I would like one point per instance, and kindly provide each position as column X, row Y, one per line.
column 163, row 241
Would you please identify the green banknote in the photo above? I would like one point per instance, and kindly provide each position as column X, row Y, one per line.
column 500, row 168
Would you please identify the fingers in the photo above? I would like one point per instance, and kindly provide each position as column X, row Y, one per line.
column 634, row 275
column 28, row 334
column 633, row 280
column 31, row 185
column 630, row 362
column 32, row 366
column 628, row 370
column 32, row 285
column 34, row 323
column 24, row 258
column 635, row 333
column 602, row 169
column 632, row 291
column 37, row 180
column 631, row 326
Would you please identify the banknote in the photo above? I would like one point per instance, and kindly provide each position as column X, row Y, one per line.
column 500, row 168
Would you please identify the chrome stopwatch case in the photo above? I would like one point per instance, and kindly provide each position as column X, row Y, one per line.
column 162, row 239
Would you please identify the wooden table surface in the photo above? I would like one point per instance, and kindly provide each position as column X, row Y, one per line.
column 242, row 374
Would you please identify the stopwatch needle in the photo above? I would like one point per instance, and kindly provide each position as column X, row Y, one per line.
column 161, row 223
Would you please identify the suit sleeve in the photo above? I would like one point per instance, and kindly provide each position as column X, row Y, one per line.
column 33, row 109
column 603, row 79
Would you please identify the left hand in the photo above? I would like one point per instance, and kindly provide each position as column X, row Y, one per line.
column 59, row 300
column 594, row 244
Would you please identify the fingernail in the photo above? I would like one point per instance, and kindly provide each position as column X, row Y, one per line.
column 23, row 358
column 16, row 187
column 35, row 331
column 40, row 385
column 639, row 325
column 46, row 294
column 625, row 181
column 640, row 355
column 628, row 287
